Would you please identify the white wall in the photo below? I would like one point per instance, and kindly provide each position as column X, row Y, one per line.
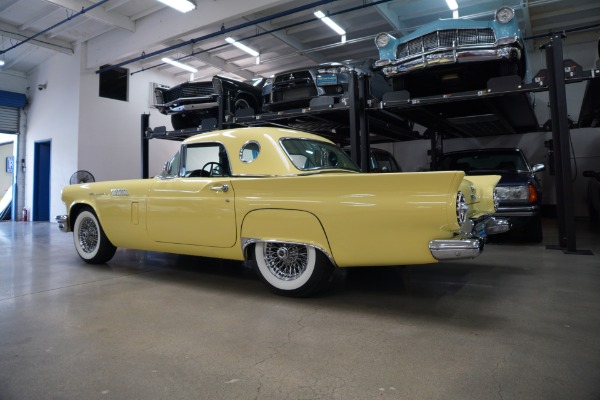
column 53, row 114
column 88, row 132
column 12, row 81
column 110, row 130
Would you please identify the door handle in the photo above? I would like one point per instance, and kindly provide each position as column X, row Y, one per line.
column 221, row 188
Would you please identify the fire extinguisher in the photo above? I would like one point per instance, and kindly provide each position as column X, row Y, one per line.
column 24, row 215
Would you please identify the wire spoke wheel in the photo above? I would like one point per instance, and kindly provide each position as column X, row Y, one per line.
column 91, row 243
column 286, row 261
column 88, row 235
column 292, row 269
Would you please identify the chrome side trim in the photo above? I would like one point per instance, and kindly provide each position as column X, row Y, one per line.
column 397, row 67
column 455, row 249
column 519, row 211
column 63, row 223
column 245, row 242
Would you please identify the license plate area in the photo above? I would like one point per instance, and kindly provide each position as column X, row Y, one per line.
column 480, row 230
column 327, row 79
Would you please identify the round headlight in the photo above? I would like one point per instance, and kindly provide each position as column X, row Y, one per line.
column 382, row 40
column 505, row 14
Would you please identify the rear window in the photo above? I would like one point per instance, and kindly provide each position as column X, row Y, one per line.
column 308, row 154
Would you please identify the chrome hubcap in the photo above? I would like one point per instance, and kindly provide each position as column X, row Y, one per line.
column 88, row 235
column 286, row 261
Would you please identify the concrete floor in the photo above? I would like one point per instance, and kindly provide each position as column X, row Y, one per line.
column 519, row 322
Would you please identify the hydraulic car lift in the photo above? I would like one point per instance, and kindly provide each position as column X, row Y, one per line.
column 360, row 121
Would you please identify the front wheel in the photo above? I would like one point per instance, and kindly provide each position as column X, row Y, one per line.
column 294, row 270
column 91, row 243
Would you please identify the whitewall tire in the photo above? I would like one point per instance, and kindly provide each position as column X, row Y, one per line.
column 91, row 243
column 291, row 269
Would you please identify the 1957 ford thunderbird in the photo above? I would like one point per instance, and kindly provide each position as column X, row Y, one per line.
column 292, row 203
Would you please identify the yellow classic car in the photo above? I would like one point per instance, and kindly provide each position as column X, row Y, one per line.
column 292, row 203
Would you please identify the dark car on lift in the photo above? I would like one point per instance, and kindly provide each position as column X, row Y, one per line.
column 191, row 102
column 296, row 88
column 519, row 191
column 380, row 160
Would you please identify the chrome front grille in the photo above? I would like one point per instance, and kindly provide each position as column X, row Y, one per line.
column 447, row 38
column 186, row 90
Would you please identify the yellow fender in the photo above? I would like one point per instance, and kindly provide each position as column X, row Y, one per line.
column 280, row 225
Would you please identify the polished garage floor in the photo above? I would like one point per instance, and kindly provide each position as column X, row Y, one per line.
column 519, row 322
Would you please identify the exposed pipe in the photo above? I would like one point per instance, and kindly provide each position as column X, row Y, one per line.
column 220, row 32
column 193, row 53
column 83, row 11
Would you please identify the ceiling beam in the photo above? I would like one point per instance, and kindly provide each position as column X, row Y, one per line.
column 218, row 63
column 45, row 12
column 98, row 13
column 164, row 25
column 53, row 44
column 287, row 39
column 8, row 5
column 390, row 16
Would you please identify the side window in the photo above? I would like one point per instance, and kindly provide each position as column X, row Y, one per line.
column 206, row 160
column 249, row 151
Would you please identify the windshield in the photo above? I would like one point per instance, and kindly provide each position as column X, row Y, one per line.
column 485, row 161
column 312, row 155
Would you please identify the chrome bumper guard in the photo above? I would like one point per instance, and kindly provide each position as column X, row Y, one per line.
column 468, row 245
column 494, row 225
column 63, row 223
column 454, row 249
column 450, row 56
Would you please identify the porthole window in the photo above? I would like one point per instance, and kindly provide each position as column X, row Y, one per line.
column 249, row 151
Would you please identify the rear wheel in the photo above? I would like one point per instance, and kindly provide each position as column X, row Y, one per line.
column 290, row 269
column 91, row 243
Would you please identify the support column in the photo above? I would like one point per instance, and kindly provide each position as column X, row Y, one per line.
column 145, row 123
column 562, row 147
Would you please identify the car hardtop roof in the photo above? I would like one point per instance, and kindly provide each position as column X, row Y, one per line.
column 248, row 134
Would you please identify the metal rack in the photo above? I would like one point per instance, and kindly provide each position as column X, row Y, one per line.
column 359, row 121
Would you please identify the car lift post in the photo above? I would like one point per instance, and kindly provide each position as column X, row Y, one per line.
column 363, row 124
column 560, row 136
column 355, row 152
column 145, row 123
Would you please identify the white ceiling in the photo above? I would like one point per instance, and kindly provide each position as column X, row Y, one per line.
column 119, row 31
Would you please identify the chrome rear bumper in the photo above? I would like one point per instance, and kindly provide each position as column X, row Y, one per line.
column 454, row 249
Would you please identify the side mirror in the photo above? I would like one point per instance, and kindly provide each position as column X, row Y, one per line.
column 538, row 167
column 166, row 169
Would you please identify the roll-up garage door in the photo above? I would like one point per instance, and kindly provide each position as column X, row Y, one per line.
column 10, row 103
column 9, row 120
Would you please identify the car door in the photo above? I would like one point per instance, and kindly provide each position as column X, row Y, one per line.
column 195, row 206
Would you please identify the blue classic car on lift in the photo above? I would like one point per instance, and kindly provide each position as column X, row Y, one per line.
column 452, row 55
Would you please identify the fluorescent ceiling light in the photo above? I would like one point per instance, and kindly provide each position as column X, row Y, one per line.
column 1, row 63
column 180, row 65
column 247, row 49
column 180, row 5
column 452, row 4
column 330, row 23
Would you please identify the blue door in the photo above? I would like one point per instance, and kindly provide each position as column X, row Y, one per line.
column 41, row 181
